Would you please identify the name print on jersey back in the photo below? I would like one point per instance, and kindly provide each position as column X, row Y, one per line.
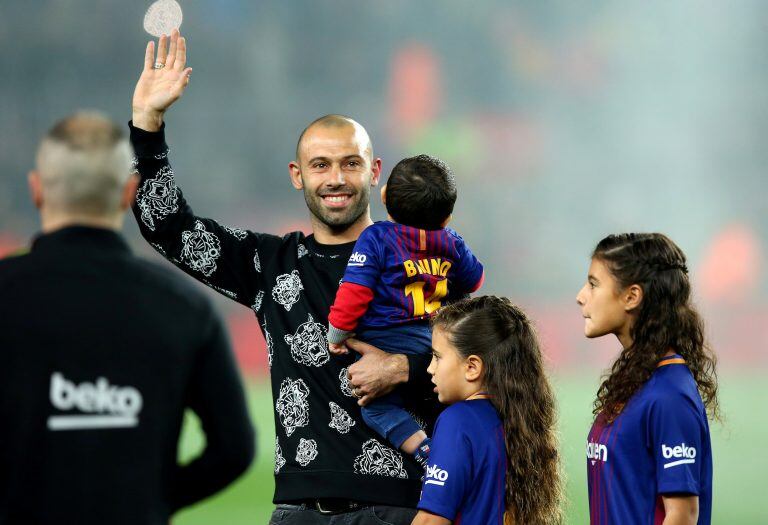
column 431, row 266
column 99, row 405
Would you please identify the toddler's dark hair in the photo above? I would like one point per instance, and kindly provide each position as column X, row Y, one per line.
column 421, row 192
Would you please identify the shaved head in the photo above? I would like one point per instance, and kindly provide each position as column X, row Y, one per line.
column 335, row 169
column 336, row 121
column 84, row 162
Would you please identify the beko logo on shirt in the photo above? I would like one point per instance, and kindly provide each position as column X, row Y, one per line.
column 99, row 405
column 687, row 454
column 435, row 475
column 357, row 259
column 597, row 451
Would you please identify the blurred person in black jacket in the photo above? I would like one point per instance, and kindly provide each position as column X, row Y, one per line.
column 100, row 354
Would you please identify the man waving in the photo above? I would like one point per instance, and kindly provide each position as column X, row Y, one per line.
column 327, row 462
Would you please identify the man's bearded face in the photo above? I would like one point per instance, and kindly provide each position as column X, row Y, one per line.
column 336, row 174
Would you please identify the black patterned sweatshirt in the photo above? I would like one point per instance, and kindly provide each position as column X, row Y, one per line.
column 323, row 448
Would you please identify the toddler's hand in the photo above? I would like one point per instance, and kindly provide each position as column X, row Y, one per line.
column 338, row 348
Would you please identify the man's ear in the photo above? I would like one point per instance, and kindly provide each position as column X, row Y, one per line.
column 633, row 297
column 35, row 188
column 473, row 368
column 294, row 170
column 376, row 171
column 129, row 191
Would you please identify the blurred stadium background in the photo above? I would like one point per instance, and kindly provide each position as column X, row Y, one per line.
column 563, row 121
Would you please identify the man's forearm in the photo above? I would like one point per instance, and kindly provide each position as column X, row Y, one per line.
column 147, row 120
column 400, row 369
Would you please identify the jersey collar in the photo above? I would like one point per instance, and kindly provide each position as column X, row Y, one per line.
column 674, row 359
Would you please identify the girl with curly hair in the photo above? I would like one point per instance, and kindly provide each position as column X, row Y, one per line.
column 649, row 459
column 494, row 457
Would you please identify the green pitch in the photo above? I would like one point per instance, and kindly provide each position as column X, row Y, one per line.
column 738, row 444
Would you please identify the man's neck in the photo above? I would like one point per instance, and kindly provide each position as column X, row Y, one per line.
column 50, row 223
column 326, row 235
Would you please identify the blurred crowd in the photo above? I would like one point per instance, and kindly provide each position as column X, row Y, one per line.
column 562, row 124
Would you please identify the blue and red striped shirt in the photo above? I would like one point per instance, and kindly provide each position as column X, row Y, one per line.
column 399, row 274
column 659, row 444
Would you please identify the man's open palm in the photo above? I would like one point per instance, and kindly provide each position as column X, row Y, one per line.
column 160, row 87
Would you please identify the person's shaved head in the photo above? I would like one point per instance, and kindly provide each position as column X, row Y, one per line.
column 335, row 121
column 84, row 162
column 335, row 168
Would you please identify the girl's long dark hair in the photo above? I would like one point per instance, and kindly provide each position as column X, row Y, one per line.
column 503, row 337
column 666, row 320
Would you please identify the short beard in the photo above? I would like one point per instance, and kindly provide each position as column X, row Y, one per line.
column 338, row 222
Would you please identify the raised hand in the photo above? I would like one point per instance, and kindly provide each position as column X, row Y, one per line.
column 162, row 81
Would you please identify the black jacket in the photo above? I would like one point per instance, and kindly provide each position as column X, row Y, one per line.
column 323, row 447
column 100, row 353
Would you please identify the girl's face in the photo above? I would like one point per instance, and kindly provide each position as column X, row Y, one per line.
column 605, row 308
column 448, row 370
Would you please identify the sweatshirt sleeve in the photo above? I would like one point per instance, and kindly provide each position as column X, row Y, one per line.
column 227, row 259
column 217, row 396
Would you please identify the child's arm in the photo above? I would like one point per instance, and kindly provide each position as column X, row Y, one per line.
column 356, row 290
column 351, row 302
column 427, row 518
column 479, row 283
column 468, row 274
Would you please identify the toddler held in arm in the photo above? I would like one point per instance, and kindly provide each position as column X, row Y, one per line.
column 400, row 273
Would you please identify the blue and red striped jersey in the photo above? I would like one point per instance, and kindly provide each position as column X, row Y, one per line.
column 410, row 271
column 659, row 444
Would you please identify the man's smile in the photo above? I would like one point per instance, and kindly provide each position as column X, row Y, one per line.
column 336, row 200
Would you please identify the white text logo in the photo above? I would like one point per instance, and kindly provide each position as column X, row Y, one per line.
column 597, row 451
column 357, row 259
column 687, row 455
column 100, row 404
column 436, row 475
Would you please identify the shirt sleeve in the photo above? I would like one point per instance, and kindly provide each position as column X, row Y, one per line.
column 677, row 434
column 228, row 260
column 217, row 396
column 365, row 265
column 351, row 302
column 467, row 276
column 447, row 479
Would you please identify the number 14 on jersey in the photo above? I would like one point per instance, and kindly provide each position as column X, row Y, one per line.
column 422, row 306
